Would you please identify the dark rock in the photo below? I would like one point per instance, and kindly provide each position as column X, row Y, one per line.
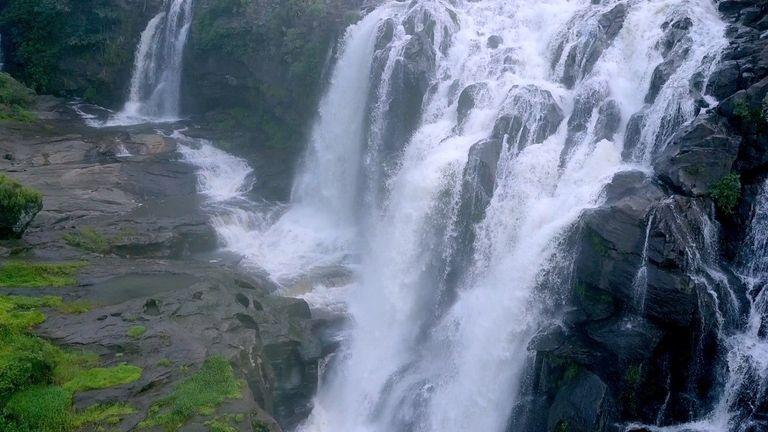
column 468, row 99
column 675, row 47
column 583, row 404
column 494, row 41
column 697, row 157
column 528, row 115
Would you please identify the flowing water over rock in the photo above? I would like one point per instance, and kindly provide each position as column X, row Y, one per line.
column 156, row 79
column 456, row 149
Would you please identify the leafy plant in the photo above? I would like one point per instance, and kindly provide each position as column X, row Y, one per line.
column 727, row 192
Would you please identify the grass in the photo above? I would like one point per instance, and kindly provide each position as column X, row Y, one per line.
column 199, row 394
column 74, row 307
column 102, row 415
column 21, row 313
column 19, row 274
column 89, row 240
column 41, row 409
column 100, row 378
column 136, row 331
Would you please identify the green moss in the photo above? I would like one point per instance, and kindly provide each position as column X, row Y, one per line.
column 136, row 331
column 727, row 192
column 562, row 426
column 99, row 416
column 634, row 375
column 100, row 378
column 219, row 425
column 19, row 274
column 74, row 307
column 88, row 239
column 199, row 394
column 42, row 409
column 165, row 363
column 21, row 313
column 15, row 100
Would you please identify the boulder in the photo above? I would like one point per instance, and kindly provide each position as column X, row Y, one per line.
column 698, row 156
column 528, row 115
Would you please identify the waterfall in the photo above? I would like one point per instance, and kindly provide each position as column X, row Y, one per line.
column 156, row 79
column 437, row 346
column 455, row 149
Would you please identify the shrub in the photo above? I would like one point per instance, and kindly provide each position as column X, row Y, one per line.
column 19, row 274
column 727, row 192
column 99, row 378
column 199, row 394
column 18, row 207
column 15, row 99
column 24, row 360
column 43, row 409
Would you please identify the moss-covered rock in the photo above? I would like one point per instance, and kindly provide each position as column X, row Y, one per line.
column 257, row 66
column 18, row 207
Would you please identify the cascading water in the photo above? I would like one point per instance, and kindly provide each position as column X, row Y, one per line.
column 458, row 203
column 524, row 67
column 156, row 79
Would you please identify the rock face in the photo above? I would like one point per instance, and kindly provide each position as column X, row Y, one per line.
column 636, row 339
column 130, row 190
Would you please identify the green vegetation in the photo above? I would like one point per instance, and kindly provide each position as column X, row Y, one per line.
column 99, row 378
column 136, row 331
column 199, row 394
column 634, row 375
column 101, row 415
column 38, row 379
column 50, row 36
column 15, row 100
column 165, row 363
column 43, row 408
column 19, row 274
column 88, row 239
column 18, row 206
column 727, row 192
column 218, row 425
column 74, row 307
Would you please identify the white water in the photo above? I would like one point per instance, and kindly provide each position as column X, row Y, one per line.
column 407, row 363
column 156, row 79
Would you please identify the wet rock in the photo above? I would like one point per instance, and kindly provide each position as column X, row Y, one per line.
column 528, row 115
column 582, row 56
column 675, row 46
column 583, row 404
column 494, row 41
column 698, row 156
column 469, row 98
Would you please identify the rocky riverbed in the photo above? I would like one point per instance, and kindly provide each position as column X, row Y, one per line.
column 120, row 200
